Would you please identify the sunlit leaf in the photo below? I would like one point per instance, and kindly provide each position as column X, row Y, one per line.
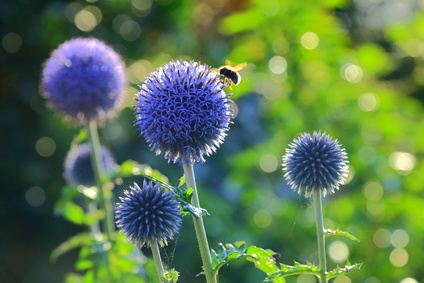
column 228, row 253
column 79, row 240
column 171, row 276
column 343, row 270
column 330, row 232
column 296, row 269
column 74, row 212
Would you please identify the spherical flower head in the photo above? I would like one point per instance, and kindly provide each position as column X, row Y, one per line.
column 148, row 214
column 84, row 79
column 78, row 167
column 315, row 163
column 183, row 111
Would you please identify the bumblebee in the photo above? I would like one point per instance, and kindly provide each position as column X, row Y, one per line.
column 230, row 74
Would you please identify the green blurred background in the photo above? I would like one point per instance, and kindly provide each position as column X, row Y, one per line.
column 354, row 69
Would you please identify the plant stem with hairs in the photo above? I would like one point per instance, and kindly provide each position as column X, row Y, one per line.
column 320, row 235
column 157, row 259
column 199, row 226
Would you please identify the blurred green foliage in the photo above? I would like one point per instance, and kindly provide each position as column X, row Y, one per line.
column 344, row 67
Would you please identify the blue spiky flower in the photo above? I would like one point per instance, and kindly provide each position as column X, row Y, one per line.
column 84, row 79
column 315, row 163
column 183, row 111
column 148, row 214
column 78, row 166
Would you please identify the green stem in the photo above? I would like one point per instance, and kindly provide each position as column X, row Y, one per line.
column 320, row 235
column 94, row 227
column 157, row 259
column 200, row 227
column 104, row 196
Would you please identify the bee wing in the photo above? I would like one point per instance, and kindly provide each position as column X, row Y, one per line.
column 229, row 63
column 240, row 66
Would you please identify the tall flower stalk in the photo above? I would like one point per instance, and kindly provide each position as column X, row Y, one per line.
column 199, row 227
column 104, row 195
column 84, row 80
column 315, row 165
column 183, row 113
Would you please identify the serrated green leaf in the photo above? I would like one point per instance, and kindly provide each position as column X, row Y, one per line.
column 228, row 253
column 82, row 239
column 343, row 270
column 309, row 268
column 296, row 269
column 330, row 232
column 183, row 196
column 171, row 276
column 262, row 259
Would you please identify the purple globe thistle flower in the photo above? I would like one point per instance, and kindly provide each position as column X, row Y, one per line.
column 148, row 214
column 183, row 111
column 315, row 163
column 78, row 167
column 84, row 80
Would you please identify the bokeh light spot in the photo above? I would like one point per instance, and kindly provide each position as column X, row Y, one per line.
column 268, row 163
column 130, row 30
column 408, row 280
column 45, row 146
column 71, row 10
column 338, row 251
column 88, row 18
column 12, row 42
column 142, row 5
column 139, row 70
column 400, row 238
column 35, row 196
column 368, row 102
column 399, row 257
column 309, row 40
column 351, row 73
column 381, row 238
column 402, row 162
column 373, row 191
column 277, row 65
column 262, row 218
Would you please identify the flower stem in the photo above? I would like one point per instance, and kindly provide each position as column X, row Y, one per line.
column 98, row 169
column 199, row 226
column 94, row 227
column 157, row 259
column 320, row 235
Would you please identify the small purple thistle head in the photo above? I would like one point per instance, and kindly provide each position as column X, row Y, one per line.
column 84, row 79
column 78, row 166
column 315, row 163
column 183, row 112
column 148, row 214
